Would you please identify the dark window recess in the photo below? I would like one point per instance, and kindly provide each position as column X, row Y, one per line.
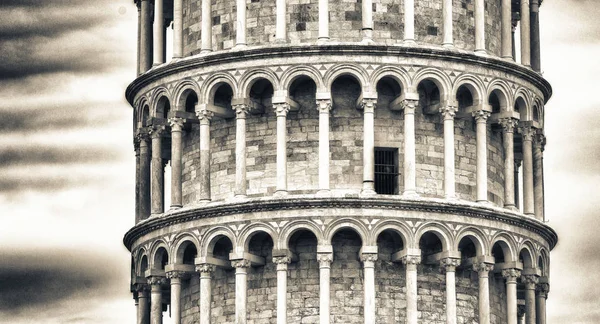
column 432, row 30
column 386, row 170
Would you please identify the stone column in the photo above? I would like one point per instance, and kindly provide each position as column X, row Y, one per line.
column 483, row 270
column 481, row 117
column 324, row 107
column 508, row 126
column 158, row 171
column 530, row 282
column 178, row 28
column 367, row 21
column 448, row 113
column 535, row 35
column 447, row 20
column 139, row 39
column 156, row 299
column 506, row 34
column 206, row 30
column 513, row 42
column 159, row 32
column 511, row 276
column 146, row 37
column 136, row 146
column 323, row 21
column 241, row 111
column 368, row 106
column 480, row 26
column 282, row 267
column 176, row 277
column 176, row 154
column 325, row 260
column 541, row 296
column 281, row 110
column 449, row 265
column 517, row 193
column 521, row 313
column 281, row 22
column 538, row 176
column 411, row 262
column 205, row 271
column 410, row 168
column 528, row 202
column 204, row 116
column 241, row 289
column 143, row 311
column 525, row 34
column 368, row 260
column 144, row 179
column 240, row 37
column 409, row 21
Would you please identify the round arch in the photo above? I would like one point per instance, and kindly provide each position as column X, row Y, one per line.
column 438, row 230
column 289, row 230
column 182, row 90
column 181, row 243
column 210, row 86
column 476, row 236
column 355, row 71
column 507, row 244
column 292, row 74
column 346, row 223
column 439, row 78
column 209, row 240
column 250, row 77
column 471, row 83
column 396, row 73
column 249, row 231
column 394, row 226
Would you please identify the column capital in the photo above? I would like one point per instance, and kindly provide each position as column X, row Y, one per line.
column 409, row 106
column 204, row 116
column 481, row 116
column 176, row 124
column 324, row 105
column 508, row 124
column 157, row 131
column 325, row 259
column 205, row 268
column 177, row 275
column 511, row 275
column 368, row 105
column 282, row 262
column 142, row 134
column 450, row 264
column 281, row 109
column 527, row 132
column 542, row 289
column 539, row 140
column 448, row 112
column 154, row 281
column 411, row 259
column 368, row 257
column 241, row 263
column 482, row 268
column 241, row 110
column 530, row 281
column 141, row 288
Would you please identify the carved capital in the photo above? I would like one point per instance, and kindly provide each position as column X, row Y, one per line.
column 241, row 110
column 178, row 275
column 411, row 259
column 529, row 281
column 325, row 259
column 542, row 290
column 511, row 275
column 142, row 136
column 281, row 109
column 449, row 264
column 527, row 132
column 368, row 257
column 176, row 124
column 483, row 268
column 157, row 132
column 205, row 268
column 539, row 141
column 282, row 260
column 157, row 281
column 409, row 106
column 448, row 112
column 508, row 124
column 204, row 116
column 368, row 105
column 141, row 289
column 324, row 106
column 241, row 263
column 481, row 116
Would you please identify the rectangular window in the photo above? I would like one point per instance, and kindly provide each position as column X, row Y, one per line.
column 386, row 170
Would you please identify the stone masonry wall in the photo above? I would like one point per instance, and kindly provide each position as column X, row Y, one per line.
column 345, row 22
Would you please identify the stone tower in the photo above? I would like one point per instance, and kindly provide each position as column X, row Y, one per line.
column 356, row 161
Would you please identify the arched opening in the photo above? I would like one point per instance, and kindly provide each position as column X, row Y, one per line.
column 303, row 91
column 501, row 252
column 388, row 89
column 498, row 101
column 430, row 243
column 303, row 275
column 261, row 244
column 143, row 266
column 187, row 253
column 526, row 258
column 345, row 91
column 464, row 97
column 429, row 96
column 261, row 92
column 145, row 116
column 223, row 95
column 223, row 278
column 161, row 258
column 390, row 275
column 346, row 243
column 191, row 100
column 162, row 108
column 521, row 108
column 467, row 248
column 536, row 114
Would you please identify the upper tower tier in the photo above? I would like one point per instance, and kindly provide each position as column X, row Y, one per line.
column 200, row 26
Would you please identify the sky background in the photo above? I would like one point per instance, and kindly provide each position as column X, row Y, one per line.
column 67, row 161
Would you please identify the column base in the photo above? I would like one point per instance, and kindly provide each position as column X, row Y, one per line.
column 322, row 40
column 280, row 41
column 323, row 193
column 410, row 42
column 410, row 194
column 448, row 45
column 481, row 52
column 451, row 197
column 239, row 47
column 174, row 207
column 205, row 51
column 508, row 58
column 368, row 192
column 239, row 197
column 367, row 41
column 280, row 193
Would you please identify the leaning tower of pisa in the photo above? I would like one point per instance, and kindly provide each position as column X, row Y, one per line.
column 357, row 161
